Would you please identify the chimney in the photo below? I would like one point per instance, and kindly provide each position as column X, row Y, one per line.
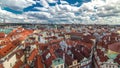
column 66, row 49
column 116, row 39
column 109, row 38
column 72, row 56
column 64, row 57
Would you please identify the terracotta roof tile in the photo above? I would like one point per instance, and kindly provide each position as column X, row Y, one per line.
column 48, row 56
column 115, row 47
column 55, row 41
column 39, row 63
column 27, row 66
column 2, row 35
column 88, row 45
column 77, row 54
column 33, row 55
column 19, row 53
column 68, row 59
column 101, row 56
column 18, row 64
column 7, row 49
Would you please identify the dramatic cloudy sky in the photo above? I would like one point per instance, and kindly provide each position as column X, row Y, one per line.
column 60, row 11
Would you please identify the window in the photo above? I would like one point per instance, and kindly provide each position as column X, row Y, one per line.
column 109, row 66
column 10, row 64
column 61, row 66
column 75, row 62
column 106, row 65
column 57, row 66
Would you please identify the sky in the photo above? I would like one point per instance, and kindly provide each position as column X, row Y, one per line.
column 60, row 11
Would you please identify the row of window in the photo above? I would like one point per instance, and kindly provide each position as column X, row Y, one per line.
column 60, row 66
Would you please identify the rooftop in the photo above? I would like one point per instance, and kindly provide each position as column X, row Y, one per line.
column 57, row 61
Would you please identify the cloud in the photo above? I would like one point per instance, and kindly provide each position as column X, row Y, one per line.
column 17, row 5
column 44, row 3
column 95, row 12
column 39, row 15
column 51, row 1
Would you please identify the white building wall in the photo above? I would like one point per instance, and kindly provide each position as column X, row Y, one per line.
column 109, row 65
column 10, row 63
column 59, row 66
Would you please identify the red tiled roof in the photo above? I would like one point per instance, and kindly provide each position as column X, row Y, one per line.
column 62, row 35
column 33, row 55
column 2, row 35
column 39, row 63
column 7, row 49
column 88, row 45
column 101, row 55
column 52, row 37
column 18, row 64
column 19, row 53
column 4, row 41
column 103, row 58
column 54, row 46
column 68, row 59
column 48, row 61
column 27, row 66
column 77, row 53
column 86, row 52
column 55, row 41
column 115, row 47
column 24, row 33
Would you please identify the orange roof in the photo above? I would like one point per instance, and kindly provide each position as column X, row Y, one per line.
column 39, row 63
column 7, row 49
column 24, row 33
column 2, row 34
column 4, row 41
column 19, row 53
column 18, row 64
column 32, row 55
column 27, row 66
